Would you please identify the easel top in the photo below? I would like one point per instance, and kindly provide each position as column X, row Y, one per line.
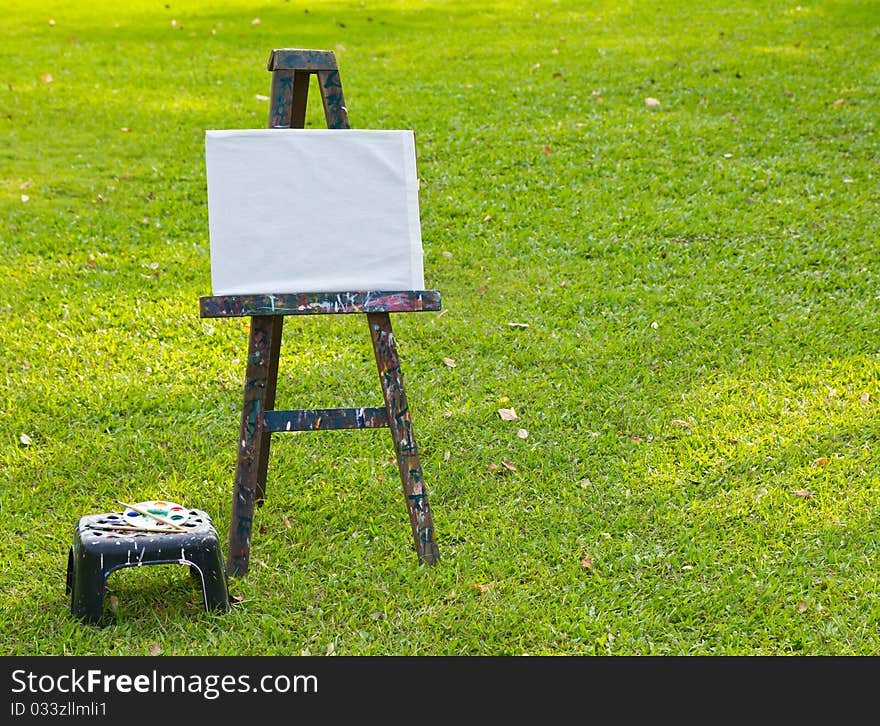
column 295, row 59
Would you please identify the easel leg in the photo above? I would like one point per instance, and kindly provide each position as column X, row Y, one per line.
column 400, row 423
column 253, row 443
column 268, row 405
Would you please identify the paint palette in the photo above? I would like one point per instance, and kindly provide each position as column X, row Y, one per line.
column 169, row 511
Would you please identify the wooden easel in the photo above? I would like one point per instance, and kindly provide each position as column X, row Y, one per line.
column 291, row 73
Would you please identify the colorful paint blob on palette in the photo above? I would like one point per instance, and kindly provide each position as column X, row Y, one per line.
column 163, row 510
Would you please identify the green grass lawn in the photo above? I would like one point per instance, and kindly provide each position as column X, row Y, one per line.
column 698, row 372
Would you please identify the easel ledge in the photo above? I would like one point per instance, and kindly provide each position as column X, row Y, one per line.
column 319, row 303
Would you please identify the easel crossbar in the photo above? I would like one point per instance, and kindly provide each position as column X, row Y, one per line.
column 324, row 419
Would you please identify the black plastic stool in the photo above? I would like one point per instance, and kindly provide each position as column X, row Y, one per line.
column 99, row 550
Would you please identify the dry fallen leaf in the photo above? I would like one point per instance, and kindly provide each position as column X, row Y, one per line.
column 865, row 397
column 535, row 67
column 507, row 414
column 652, row 102
column 802, row 606
column 682, row 423
column 507, row 465
column 821, row 461
column 155, row 648
column 236, row 598
column 839, row 102
column 587, row 562
column 286, row 521
column 522, row 434
column 802, row 493
column 482, row 589
column 446, row 455
column 330, row 648
column 487, row 218
column 546, row 149
column 114, row 603
column 585, row 483
column 450, row 362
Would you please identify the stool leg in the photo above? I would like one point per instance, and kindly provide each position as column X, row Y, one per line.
column 400, row 423
column 253, row 441
column 207, row 565
column 71, row 572
column 87, row 596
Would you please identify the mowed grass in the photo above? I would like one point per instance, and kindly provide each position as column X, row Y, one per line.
column 696, row 365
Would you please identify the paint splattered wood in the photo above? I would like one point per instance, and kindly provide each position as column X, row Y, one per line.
column 335, row 111
column 296, row 59
column 268, row 403
column 262, row 365
column 281, row 99
column 400, row 423
column 324, row 419
column 320, row 303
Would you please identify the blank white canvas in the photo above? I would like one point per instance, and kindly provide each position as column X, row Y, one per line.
column 313, row 210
